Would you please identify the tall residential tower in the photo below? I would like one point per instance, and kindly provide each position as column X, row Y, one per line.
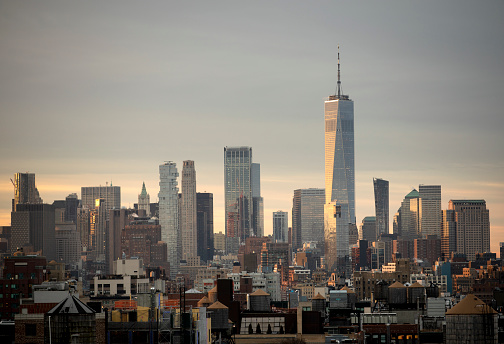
column 188, row 224
column 381, row 199
column 169, row 213
column 339, row 209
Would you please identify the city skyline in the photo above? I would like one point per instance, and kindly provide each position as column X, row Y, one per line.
column 79, row 80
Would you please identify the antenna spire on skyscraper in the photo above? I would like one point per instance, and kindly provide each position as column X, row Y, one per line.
column 339, row 79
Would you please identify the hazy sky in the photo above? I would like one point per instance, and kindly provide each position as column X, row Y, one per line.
column 93, row 92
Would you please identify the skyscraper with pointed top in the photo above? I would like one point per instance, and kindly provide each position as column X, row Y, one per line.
column 144, row 200
column 339, row 209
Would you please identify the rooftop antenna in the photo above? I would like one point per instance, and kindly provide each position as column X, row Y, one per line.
column 339, row 79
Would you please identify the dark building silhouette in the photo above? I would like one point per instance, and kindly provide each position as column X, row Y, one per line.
column 34, row 224
column 204, row 206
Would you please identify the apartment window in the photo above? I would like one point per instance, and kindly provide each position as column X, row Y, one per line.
column 30, row 330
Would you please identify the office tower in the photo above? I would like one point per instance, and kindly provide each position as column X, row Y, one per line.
column 84, row 227
column 381, row 199
column 280, row 226
column 339, row 209
column 71, row 205
column 204, row 206
column 68, row 245
column 188, row 211
column 98, row 229
column 257, row 201
column 33, row 224
column 118, row 220
column 430, row 201
column 448, row 234
column 409, row 216
column 169, row 214
column 471, row 224
column 111, row 196
column 368, row 229
column 307, row 217
column 25, row 191
column 501, row 250
column 237, row 195
column 144, row 200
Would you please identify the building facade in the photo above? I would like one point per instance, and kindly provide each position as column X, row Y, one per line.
column 237, row 195
column 169, row 213
column 339, row 209
column 188, row 211
column 307, row 217
column 280, row 226
column 472, row 226
column 257, row 201
column 33, row 224
column 110, row 194
column 381, row 198
column 25, row 191
column 204, row 206
column 430, row 198
column 144, row 200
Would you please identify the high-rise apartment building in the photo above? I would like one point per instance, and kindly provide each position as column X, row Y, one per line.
column 68, row 245
column 307, row 217
column 169, row 213
column 25, row 191
column 339, row 209
column 111, row 196
column 280, row 226
column 204, row 206
column 33, row 224
column 237, row 195
column 469, row 220
column 188, row 211
column 257, row 201
column 381, row 198
column 144, row 200
column 430, row 201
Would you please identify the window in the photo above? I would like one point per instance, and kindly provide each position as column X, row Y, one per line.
column 30, row 330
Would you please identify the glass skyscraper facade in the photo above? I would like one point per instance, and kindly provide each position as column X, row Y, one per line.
column 237, row 195
column 339, row 209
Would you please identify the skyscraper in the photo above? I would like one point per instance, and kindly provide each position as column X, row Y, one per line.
column 409, row 216
column 339, row 209
column 280, row 226
column 144, row 200
column 381, row 195
column 430, row 200
column 307, row 217
column 469, row 221
column 25, row 191
column 237, row 195
column 188, row 224
column 33, row 224
column 111, row 196
column 368, row 230
column 257, row 200
column 169, row 213
column 204, row 205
